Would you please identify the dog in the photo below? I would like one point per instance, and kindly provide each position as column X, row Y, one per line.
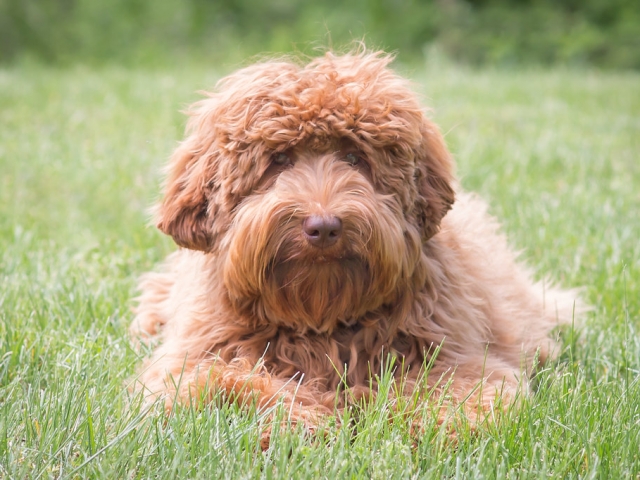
column 322, row 229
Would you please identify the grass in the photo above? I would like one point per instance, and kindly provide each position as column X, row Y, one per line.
column 555, row 153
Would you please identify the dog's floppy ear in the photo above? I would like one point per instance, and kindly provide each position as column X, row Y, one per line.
column 434, row 180
column 187, row 210
column 201, row 190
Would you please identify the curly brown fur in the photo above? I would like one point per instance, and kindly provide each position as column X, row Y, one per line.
column 256, row 307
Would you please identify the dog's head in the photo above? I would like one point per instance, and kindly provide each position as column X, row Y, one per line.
column 318, row 183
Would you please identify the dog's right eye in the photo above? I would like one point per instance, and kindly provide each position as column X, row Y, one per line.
column 352, row 159
column 281, row 159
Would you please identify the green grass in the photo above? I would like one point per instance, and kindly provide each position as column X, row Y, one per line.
column 555, row 153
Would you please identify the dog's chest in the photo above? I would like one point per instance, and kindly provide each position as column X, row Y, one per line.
column 349, row 353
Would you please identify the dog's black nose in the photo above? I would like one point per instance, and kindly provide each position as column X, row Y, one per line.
column 322, row 231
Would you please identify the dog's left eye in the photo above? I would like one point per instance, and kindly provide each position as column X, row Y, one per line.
column 352, row 159
column 282, row 159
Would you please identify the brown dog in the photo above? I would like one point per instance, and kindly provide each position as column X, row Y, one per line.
column 322, row 229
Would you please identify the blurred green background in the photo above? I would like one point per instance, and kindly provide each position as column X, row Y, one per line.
column 601, row 33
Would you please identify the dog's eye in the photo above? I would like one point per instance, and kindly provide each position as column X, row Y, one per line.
column 282, row 159
column 352, row 159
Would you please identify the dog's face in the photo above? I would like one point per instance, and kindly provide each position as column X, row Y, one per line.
column 315, row 185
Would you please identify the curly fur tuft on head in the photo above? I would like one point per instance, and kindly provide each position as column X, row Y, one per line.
column 315, row 205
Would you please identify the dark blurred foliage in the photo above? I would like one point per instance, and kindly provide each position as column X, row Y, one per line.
column 604, row 33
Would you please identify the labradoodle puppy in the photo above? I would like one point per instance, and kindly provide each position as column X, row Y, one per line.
column 322, row 229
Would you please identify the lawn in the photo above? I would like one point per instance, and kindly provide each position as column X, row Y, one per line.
column 556, row 153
